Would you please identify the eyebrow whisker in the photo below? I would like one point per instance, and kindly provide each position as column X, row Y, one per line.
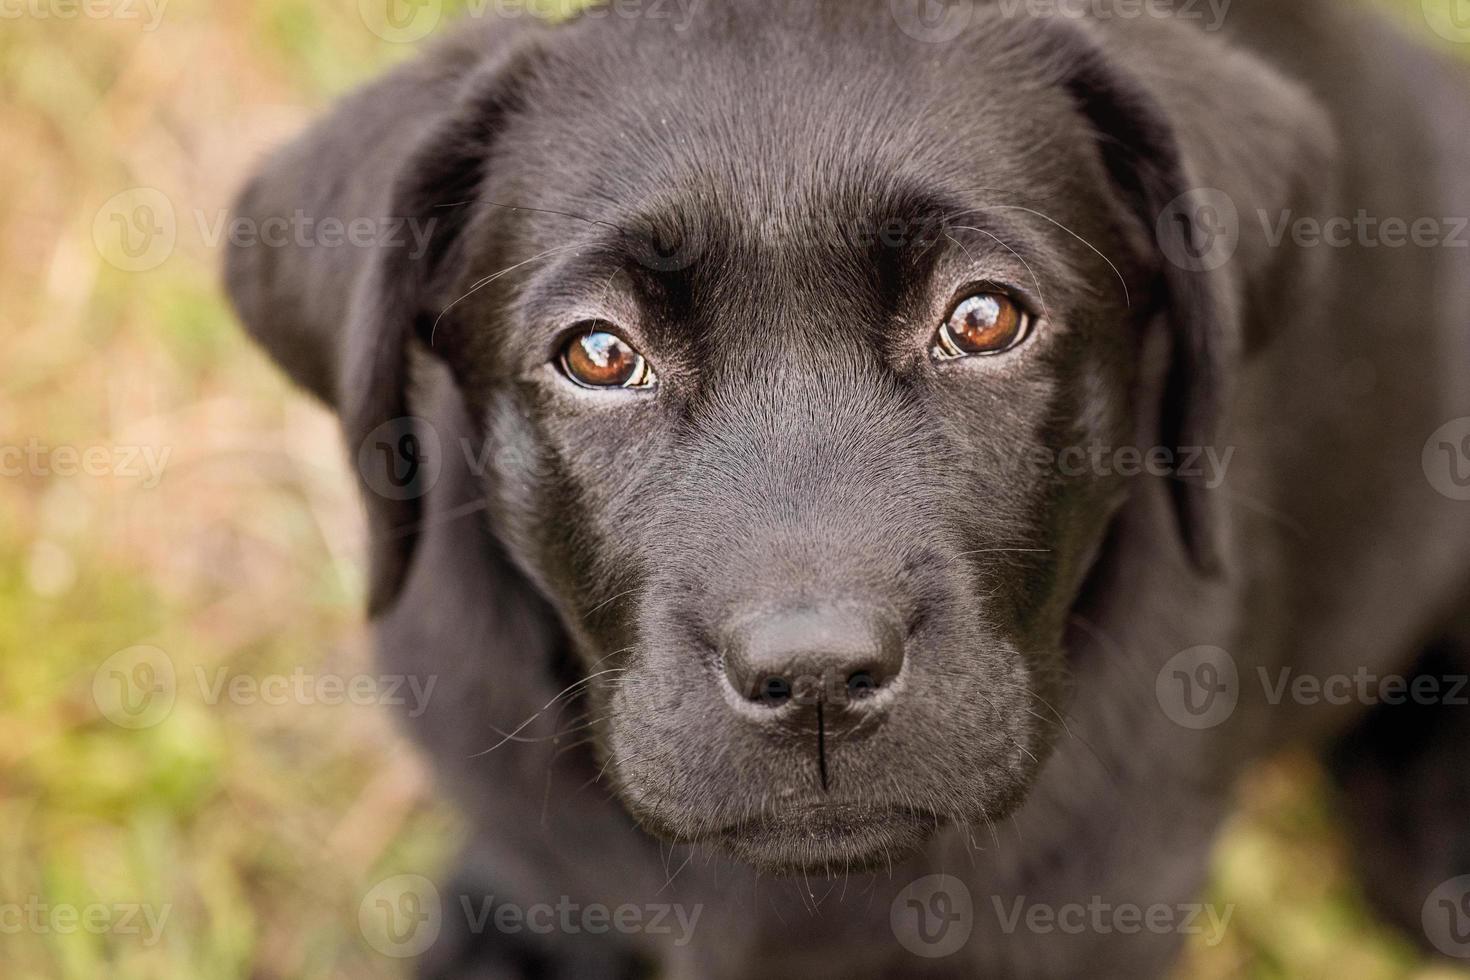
column 1040, row 293
column 1127, row 300
column 564, row 214
column 491, row 278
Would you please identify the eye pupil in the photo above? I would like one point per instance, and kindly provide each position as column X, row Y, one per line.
column 599, row 359
column 986, row 323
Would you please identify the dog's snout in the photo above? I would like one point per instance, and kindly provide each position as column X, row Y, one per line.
column 833, row 654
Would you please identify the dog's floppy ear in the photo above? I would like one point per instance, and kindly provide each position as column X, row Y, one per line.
column 435, row 190
column 1199, row 140
column 407, row 154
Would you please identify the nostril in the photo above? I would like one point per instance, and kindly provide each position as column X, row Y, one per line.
column 806, row 656
column 775, row 691
column 861, row 685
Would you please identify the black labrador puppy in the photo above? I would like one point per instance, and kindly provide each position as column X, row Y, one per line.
column 867, row 476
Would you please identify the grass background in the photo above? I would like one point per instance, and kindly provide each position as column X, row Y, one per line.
column 259, row 827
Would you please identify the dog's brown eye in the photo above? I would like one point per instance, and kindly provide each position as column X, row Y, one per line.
column 600, row 359
column 985, row 323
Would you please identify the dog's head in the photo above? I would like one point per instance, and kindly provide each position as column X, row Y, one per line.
column 776, row 328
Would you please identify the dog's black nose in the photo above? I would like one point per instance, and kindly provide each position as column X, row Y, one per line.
column 836, row 655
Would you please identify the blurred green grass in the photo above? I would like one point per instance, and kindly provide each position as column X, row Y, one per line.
column 256, row 829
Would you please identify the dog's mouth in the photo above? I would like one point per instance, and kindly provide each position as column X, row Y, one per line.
column 828, row 837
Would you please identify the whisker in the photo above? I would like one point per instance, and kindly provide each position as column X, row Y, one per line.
column 491, row 278
column 564, row 214
column 609, row 600
column 511, row 736
column 1040, row 293
column 1127, row 300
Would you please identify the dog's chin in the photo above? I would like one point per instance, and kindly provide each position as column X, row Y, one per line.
column 827, row 838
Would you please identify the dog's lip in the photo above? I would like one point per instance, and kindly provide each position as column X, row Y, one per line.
column 822, row 819
column 828, row 837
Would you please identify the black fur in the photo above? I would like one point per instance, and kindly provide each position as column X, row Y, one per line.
column 720, row 190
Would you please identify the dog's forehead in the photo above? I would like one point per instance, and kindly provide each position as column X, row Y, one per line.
column 787, row 159
column 782, row 117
